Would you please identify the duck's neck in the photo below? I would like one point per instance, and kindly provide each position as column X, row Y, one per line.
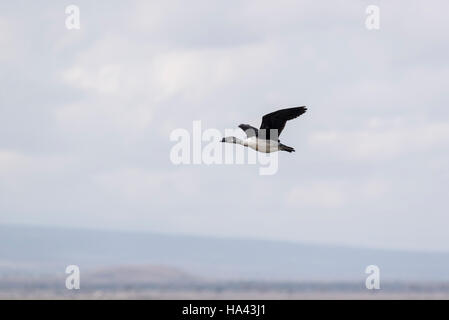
column 242, row 142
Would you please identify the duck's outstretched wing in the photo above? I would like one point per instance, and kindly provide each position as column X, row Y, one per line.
column 249, row 130
column 277, row 119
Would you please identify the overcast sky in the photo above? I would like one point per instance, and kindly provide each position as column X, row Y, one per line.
column 86, row 115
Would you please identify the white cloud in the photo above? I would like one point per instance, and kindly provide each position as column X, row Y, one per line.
column 145, row 186
column 98, row 117
column 7, row 42
column 336, row 194
column 14, row 164
column 126, row 88
column 106, row 79
column 322, row 195
column 11, row 161
column 380, row 142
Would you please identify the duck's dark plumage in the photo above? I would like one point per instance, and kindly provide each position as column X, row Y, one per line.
column 277, row 119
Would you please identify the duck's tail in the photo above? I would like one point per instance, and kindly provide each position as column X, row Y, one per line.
column 286, row 148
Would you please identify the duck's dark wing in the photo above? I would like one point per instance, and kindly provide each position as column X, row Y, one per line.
column 277, row 119
column 249, row 130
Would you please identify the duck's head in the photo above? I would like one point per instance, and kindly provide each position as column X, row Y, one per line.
column 229, row 139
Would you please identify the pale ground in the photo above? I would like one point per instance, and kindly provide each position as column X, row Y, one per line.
column 214, row 295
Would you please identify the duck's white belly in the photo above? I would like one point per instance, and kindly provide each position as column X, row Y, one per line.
column 262, row 145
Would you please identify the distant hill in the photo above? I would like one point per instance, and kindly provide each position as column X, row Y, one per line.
column 140, row 275
column 41, row 250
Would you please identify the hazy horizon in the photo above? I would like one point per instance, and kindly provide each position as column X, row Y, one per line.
column 49, row 250
column 211, row 236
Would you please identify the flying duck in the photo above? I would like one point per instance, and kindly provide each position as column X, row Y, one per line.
column 266, row 139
